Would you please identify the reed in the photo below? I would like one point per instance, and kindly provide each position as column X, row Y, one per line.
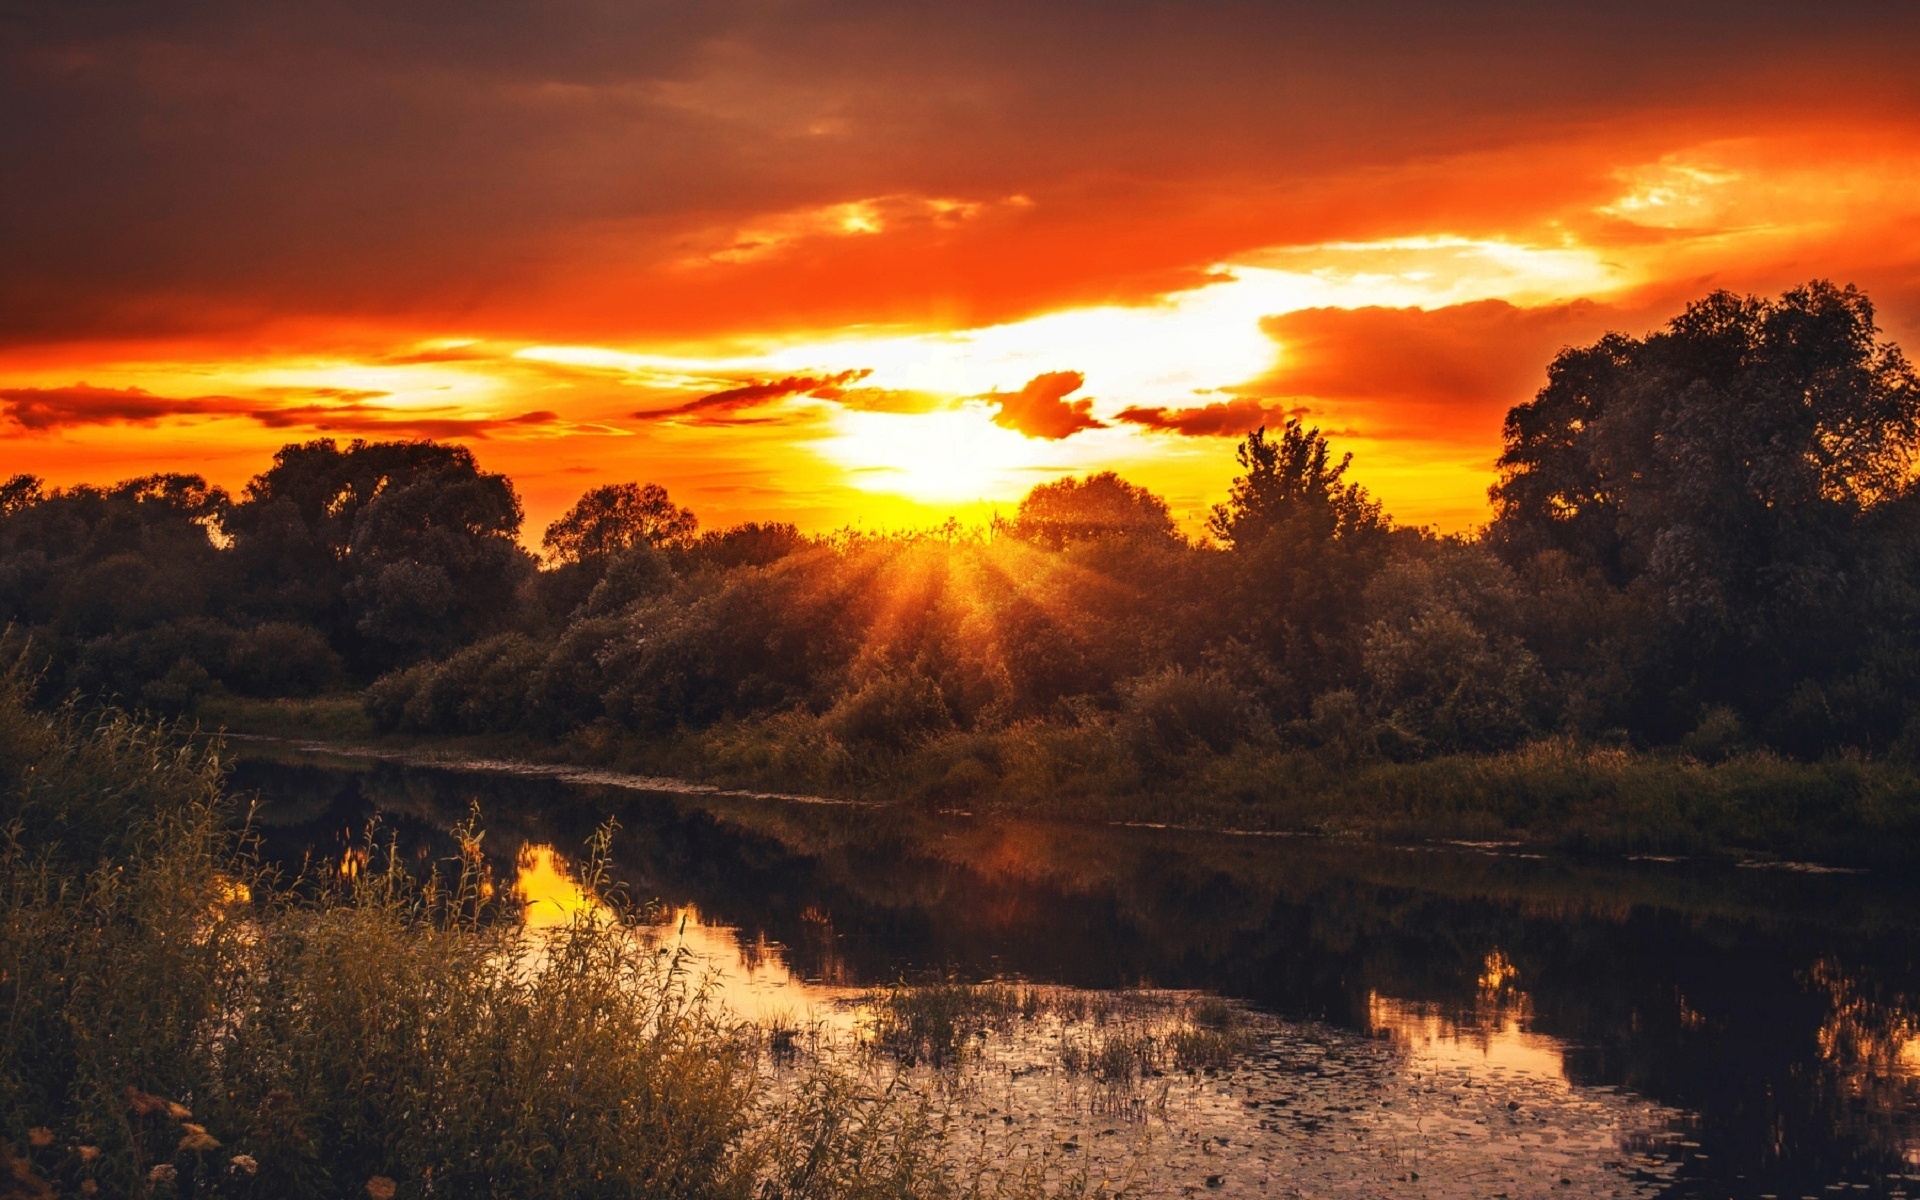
column 178, row 1021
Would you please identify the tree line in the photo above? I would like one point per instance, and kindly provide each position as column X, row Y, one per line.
column 1707, row 537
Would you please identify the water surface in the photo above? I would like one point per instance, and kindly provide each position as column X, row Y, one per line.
column 1465, row 1020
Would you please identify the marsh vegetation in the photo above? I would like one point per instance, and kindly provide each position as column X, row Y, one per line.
column 182, row 1020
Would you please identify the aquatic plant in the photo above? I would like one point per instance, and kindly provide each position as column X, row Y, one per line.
column 935, row 1023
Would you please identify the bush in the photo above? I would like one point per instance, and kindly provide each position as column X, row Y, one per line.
column 638, row 573
column 387, row 698
column 281, row 658
column 892, row 709
column 482, row 689
column 1175, row 710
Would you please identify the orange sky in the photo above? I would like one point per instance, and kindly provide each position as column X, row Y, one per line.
column 849, row 263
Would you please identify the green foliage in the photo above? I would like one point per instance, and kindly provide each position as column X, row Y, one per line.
column 482, row 689
column 1738, row 466
column 1173, row 711
column 1444, row 663
column 280, row 658
column 637, row 573
column 889, row 708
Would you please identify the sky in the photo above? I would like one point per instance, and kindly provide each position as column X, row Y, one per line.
column 848, row 263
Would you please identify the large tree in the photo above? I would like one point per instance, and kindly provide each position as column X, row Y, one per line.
column 1099, row 506
column 1724, row 464
column 394, row 549
column 617, row 517
column 1304, row 545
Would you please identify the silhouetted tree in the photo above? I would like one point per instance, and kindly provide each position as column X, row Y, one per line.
column 1724, row 463
column 393, row 549
column 1292, row 484
column 114, row 585
column 613, row 518
column 21, row 492
column 1099, row 506
column 1304, row 545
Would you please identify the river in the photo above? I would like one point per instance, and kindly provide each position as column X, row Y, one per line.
column 1459, row 1020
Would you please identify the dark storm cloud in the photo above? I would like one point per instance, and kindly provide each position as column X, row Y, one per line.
column 181, row 167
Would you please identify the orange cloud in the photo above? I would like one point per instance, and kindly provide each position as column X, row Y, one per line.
column 1444, row 375
column 1041, row 408
column 720, row 407
column 44, row 409
column 1223, row 418
column 48, row 410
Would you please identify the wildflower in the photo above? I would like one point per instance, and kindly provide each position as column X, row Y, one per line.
column 178, row 1112
column 39, row 1137
column 164, row 1173
column 243, row 1164
column 198, row 1138
column 88, row 1187
column 88, row 1153
column 381, row 1188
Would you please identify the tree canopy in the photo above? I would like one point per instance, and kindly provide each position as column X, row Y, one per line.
column 1103, row 505
column 1291, row 482
column 618, row 517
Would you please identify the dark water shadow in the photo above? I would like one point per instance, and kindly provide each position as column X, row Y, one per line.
column 1781, row 1010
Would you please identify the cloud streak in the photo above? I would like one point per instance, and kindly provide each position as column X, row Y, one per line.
column 53, row 410
column 1225, row 418
column 719, row 406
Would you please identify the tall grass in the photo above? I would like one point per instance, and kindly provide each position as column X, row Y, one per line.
column 177, row 1021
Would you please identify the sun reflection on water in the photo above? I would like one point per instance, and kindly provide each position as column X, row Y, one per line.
column 1495, row 1036
column 553, row 898
column 750, row 977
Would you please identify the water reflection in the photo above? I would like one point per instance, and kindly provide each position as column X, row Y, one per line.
column 1776, row 1011
column 1498, row 1044
column 549, row 894
column 747, row 972
column 1493, row 1035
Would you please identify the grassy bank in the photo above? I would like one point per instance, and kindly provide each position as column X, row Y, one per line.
column 178, row 1022
column 1555, row 792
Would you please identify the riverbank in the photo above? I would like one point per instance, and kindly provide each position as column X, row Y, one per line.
column 1552, row 794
